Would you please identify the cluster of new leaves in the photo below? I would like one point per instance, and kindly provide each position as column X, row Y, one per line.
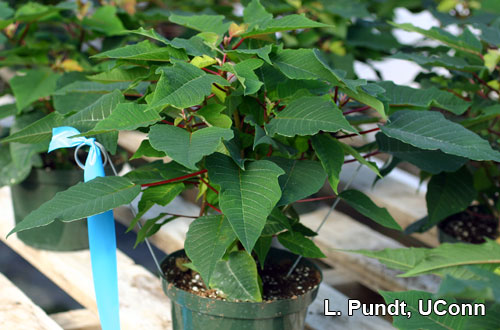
column 254, row 125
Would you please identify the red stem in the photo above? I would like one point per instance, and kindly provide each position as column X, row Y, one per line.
column 484, row 83
column 172, row 124
column 270, row 152
column 238, row 44
column 213, row 207
column 345, row 102
column 314, row 199
column 174, row 179
column 366, row 107
column 209, row 186
column 224, row 58
column 210, row 71
column 356, row 134
column 364, row 156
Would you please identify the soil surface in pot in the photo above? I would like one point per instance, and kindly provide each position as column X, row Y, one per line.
column 472, row 226
column 276, row 285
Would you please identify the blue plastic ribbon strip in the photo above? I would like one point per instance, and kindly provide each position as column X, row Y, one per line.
column 101, row 227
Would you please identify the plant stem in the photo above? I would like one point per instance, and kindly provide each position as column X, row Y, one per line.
column 25, row 32
column 336, row 94
column 314, row 199
column 238, row 44
column 209, row 186
column 356, row 110
column 210, row 71
column 174, row 179
column 373, row 153
column 356, row 134
column 213, row 207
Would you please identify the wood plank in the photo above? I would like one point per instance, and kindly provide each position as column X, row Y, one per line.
column 316, row 319
column 342, row 232
column 78, row 319
column 17, row 311
column 72, row 272
column 399, row 192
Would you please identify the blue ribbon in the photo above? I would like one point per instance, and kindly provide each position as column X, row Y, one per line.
column 101, row 227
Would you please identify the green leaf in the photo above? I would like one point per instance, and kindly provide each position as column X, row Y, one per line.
column 73, row 101
column 262, row 52
column 237, row 277
column 447, row 194
column 146, row 150
column 450, row 255
column 430, row 130
column 261, row 22
column 331, row 155
column 417, row 320
column 308, row 116
column 364, row 205
column 187, row 148
column 402, row 259
column 33, row 11
column 157, row 171
column 485, row 286
column 353, row 152
column 87, row 118
column 81, row 201
column 126, row 116
column 150, row 33
column 423, row 98
column 183, row 85
column 244, row 72
column 308, row 64
column 144, row 51
column 246, row 197
column 7, row 110
column 202, row 23
column 121, row 75
column 432, row 161
column 151, row 227
column 104, row 20
column 443, row 60
column 299, row 244
column 206, row 242
column 35, row 84
column 261, row 249
column 212, row 115
column 276, row 222
column 162, row 194
column 466, row 42
column 91, row 87
column 39, row 131
column 302, row 178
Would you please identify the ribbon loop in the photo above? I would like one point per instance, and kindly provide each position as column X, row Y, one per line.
column 101, row 228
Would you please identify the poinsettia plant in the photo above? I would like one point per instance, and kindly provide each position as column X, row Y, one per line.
column 46, row 48
column 253, row 125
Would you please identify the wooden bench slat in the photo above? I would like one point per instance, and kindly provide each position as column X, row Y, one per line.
column 143, row 304
column 78, row 319
column 342, row 232
column 17, row 311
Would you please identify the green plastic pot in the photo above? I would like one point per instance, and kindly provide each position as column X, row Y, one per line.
column 39, row 187
column 192, row 312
